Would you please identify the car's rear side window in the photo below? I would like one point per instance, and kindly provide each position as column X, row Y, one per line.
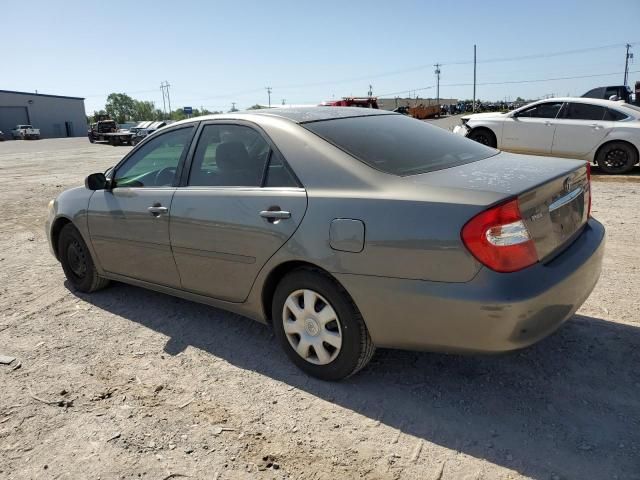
column 585, row 111
column 399, row 145
column 614, row 115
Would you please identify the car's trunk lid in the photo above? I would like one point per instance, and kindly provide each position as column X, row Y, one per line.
column 556, row 211
column 553, row 193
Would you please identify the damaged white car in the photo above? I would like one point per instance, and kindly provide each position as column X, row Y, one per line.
column 600, row 131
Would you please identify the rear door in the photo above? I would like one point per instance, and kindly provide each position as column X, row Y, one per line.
column 531, row 130
column 129, row 224
column 238, row 205
column 580, row 128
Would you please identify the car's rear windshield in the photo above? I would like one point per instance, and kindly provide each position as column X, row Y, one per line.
column 398, row 144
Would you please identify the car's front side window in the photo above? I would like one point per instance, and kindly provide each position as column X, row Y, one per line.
column 155, row 163
column 229, row 156
column 542, row 110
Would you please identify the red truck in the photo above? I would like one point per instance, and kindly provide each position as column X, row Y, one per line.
column 365, row 102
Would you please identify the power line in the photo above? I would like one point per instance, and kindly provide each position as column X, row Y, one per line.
column 411, row 69
column 508, row 82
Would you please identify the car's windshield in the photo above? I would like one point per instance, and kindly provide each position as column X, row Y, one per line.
column 399, row 145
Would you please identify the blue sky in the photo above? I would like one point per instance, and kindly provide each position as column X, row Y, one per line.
column 217, row 52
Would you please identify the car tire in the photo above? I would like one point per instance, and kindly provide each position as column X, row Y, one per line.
column 333, row 317
column 91, row 140
column 76, row 261
column 617, row 158
column 483, row 136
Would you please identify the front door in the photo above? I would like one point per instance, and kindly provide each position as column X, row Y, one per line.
column 580, row 128
column 129, row 224
column 531, row 130
column 241, row 203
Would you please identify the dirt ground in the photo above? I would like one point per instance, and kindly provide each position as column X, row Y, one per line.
column 127, row 383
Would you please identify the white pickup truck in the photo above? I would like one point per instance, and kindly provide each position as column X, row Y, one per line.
column 25, row 132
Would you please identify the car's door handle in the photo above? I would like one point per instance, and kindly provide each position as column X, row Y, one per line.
column 157, row 210
column 275, row 214
column 596, row 126
column 548, row 123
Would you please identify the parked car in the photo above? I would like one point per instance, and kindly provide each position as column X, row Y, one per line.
column 346, row 229
column 599, row 131
column 144, row 129
column 25, row 132
column 620, row 92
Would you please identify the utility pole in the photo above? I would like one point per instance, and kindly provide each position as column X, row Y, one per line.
column 233, row 107
column 283, row 101
column 164, row 105
column 437, row 72
column 168, row 97
column 370, row 90
column 626, row 64
column 474, row 78
column 269, row 93
column 164, row 86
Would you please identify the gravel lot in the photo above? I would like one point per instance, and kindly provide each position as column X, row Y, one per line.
column 128, row 383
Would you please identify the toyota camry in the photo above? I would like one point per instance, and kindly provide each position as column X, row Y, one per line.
column 346, row 229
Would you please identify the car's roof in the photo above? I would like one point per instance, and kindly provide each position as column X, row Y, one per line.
column 297, row 115
column 592, row 101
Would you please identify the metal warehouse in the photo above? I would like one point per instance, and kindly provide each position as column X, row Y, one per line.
column 56, row 116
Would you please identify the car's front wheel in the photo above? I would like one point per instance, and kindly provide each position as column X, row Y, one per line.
column 77, row 262
column 319, row 326
column 617, row 157
column 484, row 136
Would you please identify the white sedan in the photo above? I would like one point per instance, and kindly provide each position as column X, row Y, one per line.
column 600, row 131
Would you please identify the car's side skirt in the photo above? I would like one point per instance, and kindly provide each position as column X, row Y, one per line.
column 244, row 309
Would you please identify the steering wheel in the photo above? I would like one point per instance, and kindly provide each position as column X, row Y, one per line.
column 164, row 177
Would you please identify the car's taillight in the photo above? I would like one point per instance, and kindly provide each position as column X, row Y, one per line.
column 499, row 239
column 589, row 187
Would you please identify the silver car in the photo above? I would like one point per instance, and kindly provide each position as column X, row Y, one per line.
column 345, row 229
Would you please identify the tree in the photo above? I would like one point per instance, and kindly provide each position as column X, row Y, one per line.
column 257, row 106
column 94, row 117
column 120, row 107
column 520, row 99
column 144, row 110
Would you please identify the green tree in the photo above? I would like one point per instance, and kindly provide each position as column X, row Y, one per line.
column 143, row 110
column 520, row 99
column 120, row 107
column 96, row 114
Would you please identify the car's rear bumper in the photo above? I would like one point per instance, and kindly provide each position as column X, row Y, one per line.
column 494, row 312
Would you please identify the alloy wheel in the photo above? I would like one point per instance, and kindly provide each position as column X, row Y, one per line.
column 616, row 158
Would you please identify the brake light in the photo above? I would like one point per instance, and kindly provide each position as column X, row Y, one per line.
column 499, row 239
column 589, row 188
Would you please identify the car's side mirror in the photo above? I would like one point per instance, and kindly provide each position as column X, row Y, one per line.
column 96, row 181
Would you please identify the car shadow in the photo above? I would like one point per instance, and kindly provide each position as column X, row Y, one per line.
column 568, row 406
column 599, row 175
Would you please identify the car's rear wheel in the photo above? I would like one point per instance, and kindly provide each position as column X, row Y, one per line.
column 76, row 261
column 319, row 326
column 484, row 136
column 617, row 157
